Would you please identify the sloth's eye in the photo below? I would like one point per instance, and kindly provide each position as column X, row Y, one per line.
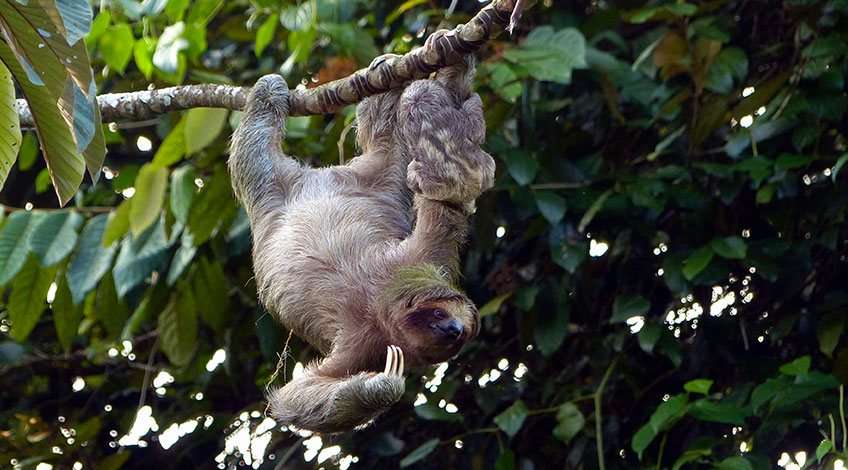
column 439, row 314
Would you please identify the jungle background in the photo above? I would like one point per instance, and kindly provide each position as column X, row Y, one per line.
column 661, row 267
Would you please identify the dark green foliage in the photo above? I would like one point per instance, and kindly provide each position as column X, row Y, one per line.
column 663, row 259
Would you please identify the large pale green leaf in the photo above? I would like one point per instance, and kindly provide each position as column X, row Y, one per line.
column 551, row 205
column 51, row 56
column 550, row 55
column 64, row 161
column 91, row 259
column 14, row 243
column 66, row 314
column 512, row 418
column 265, row 34
column 178, row 328
column 116, row 46
column 202, row 126
column 173, row 148
column 146, row 204
column 182, row 192
column 29, row 297
column 118, row 223
column 55, row 236
column 10, row 127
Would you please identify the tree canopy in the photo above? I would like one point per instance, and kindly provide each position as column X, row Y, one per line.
column 661, row 266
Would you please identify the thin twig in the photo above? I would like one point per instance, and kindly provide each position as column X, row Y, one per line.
column 440, row 52
column 842, row 417
column 599, row 434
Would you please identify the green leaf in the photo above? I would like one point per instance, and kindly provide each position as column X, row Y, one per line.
column 143, row 51
column 167, row 55
column 29, row 150
column 55, row 236
column 829, row 331
column 790, row 162
column 265, row 34
column 173, row 148
column 213, row 204
column 65, row 162
column 493, row 306
column 212, row 294
column 626, row 306
column 29, row 297
column 839, row 164
column 91, row 260
column 118, row 223
column 521, row 166
column 666, row 414
column 506, row 461
column 550, row 55
column 419, row 453
column 202, row 127
column 551, row 205
column 66, row 315
column 701, row 386
column 116, row 46
column 730, row 66
column 14, row 243
column 649, row 335
column 551, row 328
column 431, row 412
column 593, row 210
column 692, row 454
column 512, row 418
column 10, row 126
column 139, row 257
column 825, row 446
column 799, row 366
column 178, row 328
column 297, row 17
column 734, row 463
column 730, row 247
column 697, row 262
column 76, row 19
column 706, row 410
column 570, row 421
column 146, row 204
column 504, row 81
column 182, row 258
column 109, row 310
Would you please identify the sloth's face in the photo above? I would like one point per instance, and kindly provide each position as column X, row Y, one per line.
column 443, row 326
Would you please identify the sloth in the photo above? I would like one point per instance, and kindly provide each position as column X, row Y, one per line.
column 361, row 260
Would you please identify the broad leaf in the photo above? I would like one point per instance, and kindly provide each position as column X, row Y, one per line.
column 551, row 205
column 730, row 247
column 55, row 236
column 91, row 260
column 512, row 418
column 202, row 127
column 28, row 298
column 697, row 262
column 10, row 127
column 116, row 46
column 419, row 453
column 146, row 204
column 14, row 243
column 626, row 306
column 139, row 257
column 570, row 421
column 550, row 55
column 178, row 328
column 701, row 386
column 66, row 314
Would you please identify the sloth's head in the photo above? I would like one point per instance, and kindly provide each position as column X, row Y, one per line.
column 431, row 317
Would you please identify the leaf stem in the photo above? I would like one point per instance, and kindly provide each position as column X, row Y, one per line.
column 599, row 436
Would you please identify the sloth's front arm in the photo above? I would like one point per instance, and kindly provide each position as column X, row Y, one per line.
column 326, row 403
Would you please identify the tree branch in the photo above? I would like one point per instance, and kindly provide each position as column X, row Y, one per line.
column 327, row 98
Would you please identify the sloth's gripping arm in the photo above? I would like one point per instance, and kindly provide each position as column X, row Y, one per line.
column 321, row 402
column 261, row 174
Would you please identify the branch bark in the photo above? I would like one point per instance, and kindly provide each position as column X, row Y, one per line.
column 327, row 98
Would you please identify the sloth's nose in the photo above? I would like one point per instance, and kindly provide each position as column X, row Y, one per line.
column 451, row 328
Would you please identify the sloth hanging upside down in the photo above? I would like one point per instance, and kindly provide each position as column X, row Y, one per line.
column 361, row 260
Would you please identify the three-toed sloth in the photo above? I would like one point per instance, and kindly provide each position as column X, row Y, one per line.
column 361, row 260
